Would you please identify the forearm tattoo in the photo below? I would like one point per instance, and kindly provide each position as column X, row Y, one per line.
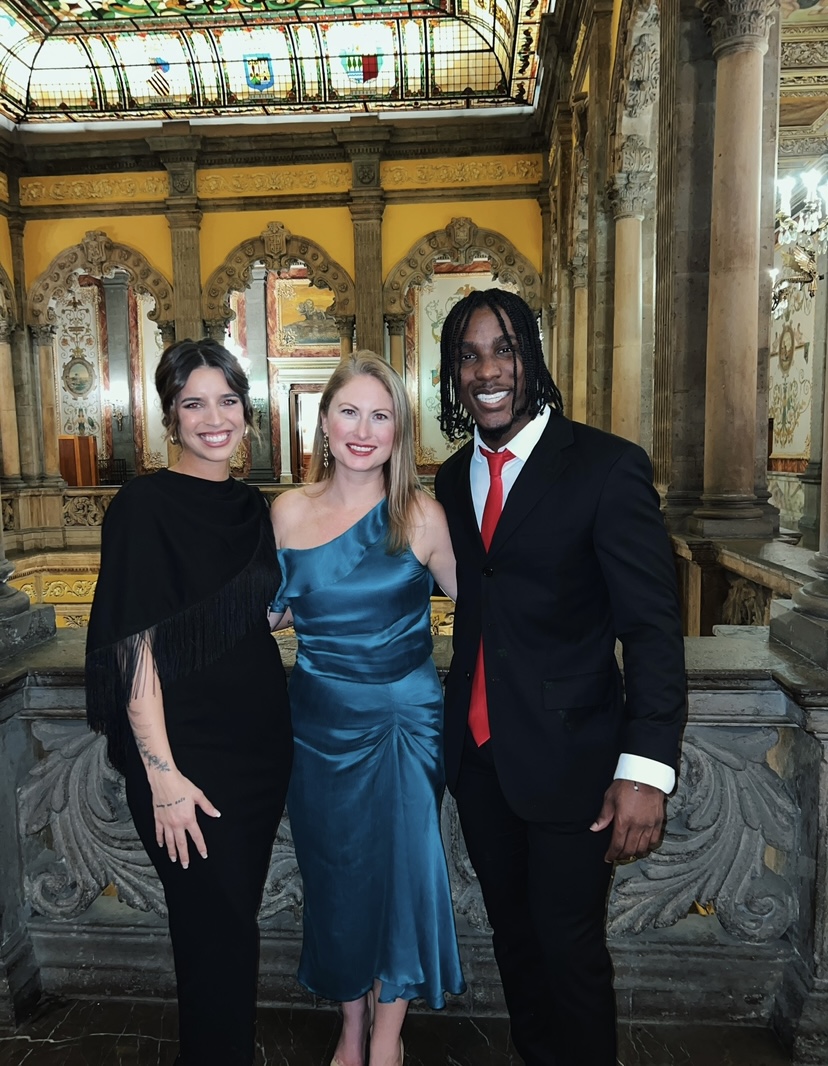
column 153, row 761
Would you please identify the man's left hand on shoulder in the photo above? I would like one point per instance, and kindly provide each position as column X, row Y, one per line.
column 637, row 813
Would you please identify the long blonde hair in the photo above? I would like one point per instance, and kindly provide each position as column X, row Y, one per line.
column 400, row 471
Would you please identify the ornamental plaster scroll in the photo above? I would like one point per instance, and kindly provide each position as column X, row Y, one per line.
column 216, row 183
column 99, row 257
column 641, row 83
column 461, row 242
column 736, row 25
column 277, row 248
column 8, row 312
column 804, row 53
column 78, row 802
column 462, row 172
column 86, row 510
column 729, row 809
column 144, row 187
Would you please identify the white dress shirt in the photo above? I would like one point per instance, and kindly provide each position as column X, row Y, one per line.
column 630, row 767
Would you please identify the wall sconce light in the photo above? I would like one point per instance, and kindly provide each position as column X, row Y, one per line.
column 117, row 408
column 258, row 401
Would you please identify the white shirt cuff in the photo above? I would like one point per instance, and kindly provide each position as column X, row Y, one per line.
column 647, row 771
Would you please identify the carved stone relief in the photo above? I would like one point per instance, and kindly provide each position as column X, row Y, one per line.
column 729, row 808
column 730, row 812
column 8, row 516
column 641, row 83
column 87, row 510
column 277, row 248
column 736, row 23
column 8, row 312
column 747, row 604
column 99, row 257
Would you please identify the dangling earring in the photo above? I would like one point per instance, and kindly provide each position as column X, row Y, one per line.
column 325, row 451
column 174, row 438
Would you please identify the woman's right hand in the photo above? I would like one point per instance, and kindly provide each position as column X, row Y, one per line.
column 174, row 802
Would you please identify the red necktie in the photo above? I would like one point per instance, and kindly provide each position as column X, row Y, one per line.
column 478, row 708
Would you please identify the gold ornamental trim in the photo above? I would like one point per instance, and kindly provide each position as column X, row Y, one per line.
column 317, row 178
column 4, row 189
column 102, row 189
column 440, row 173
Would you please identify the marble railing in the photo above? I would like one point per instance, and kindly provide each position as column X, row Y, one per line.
column 726, row 921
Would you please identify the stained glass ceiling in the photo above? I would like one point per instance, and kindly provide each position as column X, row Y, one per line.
column 158, row 59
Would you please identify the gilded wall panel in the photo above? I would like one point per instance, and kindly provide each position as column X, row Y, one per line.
column 219, row 184
column 101, row 189
column 442, row 173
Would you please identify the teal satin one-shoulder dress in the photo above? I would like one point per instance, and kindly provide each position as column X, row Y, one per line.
column 367, row 784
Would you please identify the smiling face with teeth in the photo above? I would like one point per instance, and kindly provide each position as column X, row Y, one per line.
column 491, row 382
column 360, row 424
column 210, row 424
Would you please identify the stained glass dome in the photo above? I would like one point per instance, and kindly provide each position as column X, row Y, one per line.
column 159, row 59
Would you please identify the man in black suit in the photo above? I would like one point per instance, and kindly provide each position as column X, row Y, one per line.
column 558, row 767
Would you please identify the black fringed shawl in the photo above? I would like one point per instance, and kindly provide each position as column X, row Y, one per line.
column 188, row 566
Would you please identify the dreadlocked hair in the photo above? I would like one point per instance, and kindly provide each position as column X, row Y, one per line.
column 455, row 422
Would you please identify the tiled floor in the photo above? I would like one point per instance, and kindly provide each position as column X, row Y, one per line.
column 88, row 1033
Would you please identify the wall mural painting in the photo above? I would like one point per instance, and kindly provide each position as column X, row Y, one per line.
column 302, row 323
column 791, row 377
column 432, row 302
column 81, row 361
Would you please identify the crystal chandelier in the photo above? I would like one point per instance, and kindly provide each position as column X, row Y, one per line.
column 802, row 236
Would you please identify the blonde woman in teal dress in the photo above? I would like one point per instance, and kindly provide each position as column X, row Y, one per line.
column 359, row 546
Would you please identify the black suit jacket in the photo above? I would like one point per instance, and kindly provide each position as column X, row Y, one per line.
column 579, row 558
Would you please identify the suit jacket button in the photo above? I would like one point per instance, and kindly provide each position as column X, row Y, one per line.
column 487, row 571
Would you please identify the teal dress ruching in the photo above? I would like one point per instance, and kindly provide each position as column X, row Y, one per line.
column 367, row 784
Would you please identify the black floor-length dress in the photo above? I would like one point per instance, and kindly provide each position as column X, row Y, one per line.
column 189, row 566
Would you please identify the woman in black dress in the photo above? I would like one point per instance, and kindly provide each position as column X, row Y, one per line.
column 186, row 681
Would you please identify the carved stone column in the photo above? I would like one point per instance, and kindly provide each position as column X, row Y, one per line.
column 579, row 339
column 630, row 198
column 261, row 450
column 178, row 151
column 396, row 333
column 44, row 337
column 564, row 298
column 729, row 506
column 364, row 140
column 23, row 362
column 685, row 166
column 345, row 325
column 116, row 301
column 9, row 444
column 600, row 266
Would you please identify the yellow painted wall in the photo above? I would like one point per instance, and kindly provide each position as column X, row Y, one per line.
column 5, row 248
column 329, row 227
column 43, row 239
column 405, row 224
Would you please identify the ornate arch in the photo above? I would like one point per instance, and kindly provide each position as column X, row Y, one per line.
column 8, row 305
column 277, row 248
column 99, row 257
column 462, row 242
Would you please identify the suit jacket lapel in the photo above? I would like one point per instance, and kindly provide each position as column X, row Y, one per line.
column 548, row 460
column 461, row 502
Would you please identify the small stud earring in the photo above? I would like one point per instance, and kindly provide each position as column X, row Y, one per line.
column 325, row 452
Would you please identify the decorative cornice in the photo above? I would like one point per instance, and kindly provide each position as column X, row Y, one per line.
column 737, row 25
column 811, row 53
column 109, row 189
column 803, row 146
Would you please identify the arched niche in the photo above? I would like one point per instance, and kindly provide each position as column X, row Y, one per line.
column 100, row 257
column 437, row 261
column 461, row 243
column 277, row 248
column 99, row 317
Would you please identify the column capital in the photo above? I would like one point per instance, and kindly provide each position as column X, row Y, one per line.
column 6, row 330
column 366, row 205
column 43, row 333
column 578, row 270
column 630, row 194
column 737, row 25
column 396, row 324
column 217, row 329
column 186, row 218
